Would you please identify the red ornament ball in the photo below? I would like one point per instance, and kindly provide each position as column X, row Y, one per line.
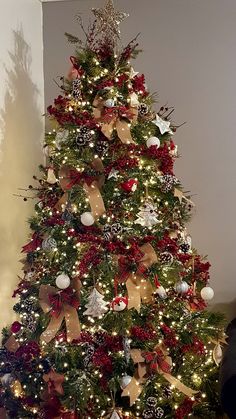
column 15, row 327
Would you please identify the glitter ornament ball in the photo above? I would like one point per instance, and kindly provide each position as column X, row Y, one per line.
column 181, row 287
column 62, row 281
column 153, row 141
column 124, row 381
column 49, row 244
column 7, row 380
column 109, row 103
column 87, row 219
column 207, row 293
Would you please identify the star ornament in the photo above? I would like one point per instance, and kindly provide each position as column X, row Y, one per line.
column 108, row 21
column 164, row 126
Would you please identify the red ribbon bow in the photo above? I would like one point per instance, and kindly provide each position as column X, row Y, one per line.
column 57, row 300
column 76, row 177
column 157, row 359
column 116, row 111
column 127, row 263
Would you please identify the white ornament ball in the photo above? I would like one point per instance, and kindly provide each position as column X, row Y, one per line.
column 7, row 380
column 153, row 141
column 87, row 219
column 181, row 287
column 109, row 103
column 207, row 293
column 124, row 381
column 62, row 281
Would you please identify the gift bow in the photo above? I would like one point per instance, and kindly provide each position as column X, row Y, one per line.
column 48, row 295
column 68, row 177
column 115, row 118
column 163, row 364
column 66, row 296
column 158, row 359
column 138, row 287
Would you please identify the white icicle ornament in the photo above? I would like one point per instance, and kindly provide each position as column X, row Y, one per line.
column 217, row 354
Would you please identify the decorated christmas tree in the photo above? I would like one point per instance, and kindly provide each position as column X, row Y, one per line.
column 112, row 298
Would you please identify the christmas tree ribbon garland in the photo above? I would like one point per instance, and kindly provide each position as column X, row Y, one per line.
column 68, row 177
column 138, row 287
column 67, row 312
column 116, row 120
column 149, row 362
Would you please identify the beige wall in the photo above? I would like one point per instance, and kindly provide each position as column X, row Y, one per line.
column 21, row 129
column 189, row 58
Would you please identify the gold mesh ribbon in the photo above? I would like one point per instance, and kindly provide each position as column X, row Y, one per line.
column 116, row 121
column 92, row 191
column 67, row 312
column 135, row 387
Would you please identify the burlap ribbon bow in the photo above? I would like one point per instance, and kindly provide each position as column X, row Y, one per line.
column 117, row 117
column 152, row 362
column 60, row 306
column 139, row 288
column 68, row 177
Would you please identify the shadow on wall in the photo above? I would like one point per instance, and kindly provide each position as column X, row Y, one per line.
column 21, row 128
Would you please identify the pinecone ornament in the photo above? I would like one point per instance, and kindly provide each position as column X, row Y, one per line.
column 101, row 147
column 143, row 109
column 158, row 412
column 83, row 136
column 116, row 228
column 166, row 258
column 76, row 92
column 148, row 414
column 184, row 247
column 28, row 305
column 151, row 402
column 168, row 182
column 167, row 392
column 30, row 323
column 107, row 234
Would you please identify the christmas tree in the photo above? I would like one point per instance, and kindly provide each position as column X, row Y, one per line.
column 111, row 302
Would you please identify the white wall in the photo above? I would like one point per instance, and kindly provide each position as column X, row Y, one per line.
column 21, row 130
column 189, row 59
